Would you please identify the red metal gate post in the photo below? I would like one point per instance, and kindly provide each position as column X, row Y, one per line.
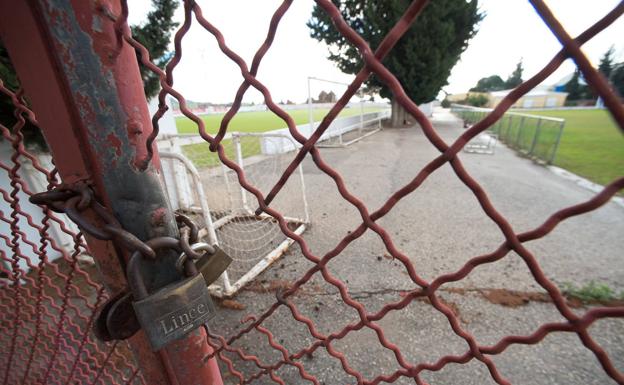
column 88, row 97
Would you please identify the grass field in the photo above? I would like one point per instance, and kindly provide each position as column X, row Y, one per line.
column 592, row 146
column 257, row 121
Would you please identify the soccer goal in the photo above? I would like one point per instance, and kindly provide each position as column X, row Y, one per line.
column 204, row 188
column 362, row 119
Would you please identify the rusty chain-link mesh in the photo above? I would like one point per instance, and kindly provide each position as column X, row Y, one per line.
column 226, row 350
column 514, row 242
column 48, row 290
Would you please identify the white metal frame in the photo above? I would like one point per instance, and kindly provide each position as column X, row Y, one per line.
column 359, row 126
column 226, row 288
column 484, row 143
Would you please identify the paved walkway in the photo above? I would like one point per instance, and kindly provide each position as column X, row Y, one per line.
column 440, row 226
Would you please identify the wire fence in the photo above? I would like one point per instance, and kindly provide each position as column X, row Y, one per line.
column 49, row 288
column 239, row 361
column 532, row 135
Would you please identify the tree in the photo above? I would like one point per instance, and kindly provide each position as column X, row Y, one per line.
column 477, row 100
column 491, row 83
column 573, row 87
column 617, row 78
column 421, row 60
column 155, row 34
column 606, row 63
column 515, row 79
column 32, row 135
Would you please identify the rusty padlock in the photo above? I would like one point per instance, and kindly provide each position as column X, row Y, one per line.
column 175, row 310
column 211, row 260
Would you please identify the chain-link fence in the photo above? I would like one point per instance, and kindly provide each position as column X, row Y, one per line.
column 49, row 289
column 532, row 135
column 69, row 349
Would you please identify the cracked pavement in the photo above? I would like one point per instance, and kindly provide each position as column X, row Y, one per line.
column 440, row 227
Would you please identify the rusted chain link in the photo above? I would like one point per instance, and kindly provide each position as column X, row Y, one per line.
column 513, row 240
column 73, row 200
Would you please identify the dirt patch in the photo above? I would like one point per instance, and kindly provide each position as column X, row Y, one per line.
column 279, row 285
column 501, row 297
column 419, row 295
column 232, row 304
column 268, row 286
column 511, row 298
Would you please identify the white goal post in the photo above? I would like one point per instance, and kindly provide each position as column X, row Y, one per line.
column 211, row 194
column 342, row 136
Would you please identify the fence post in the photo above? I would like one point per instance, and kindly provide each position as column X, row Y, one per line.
column 520, row 127
column 536, row 136
column 310, row 112
column 361, row 113
column 88, row 96
column 506, row 135
column 556, row 147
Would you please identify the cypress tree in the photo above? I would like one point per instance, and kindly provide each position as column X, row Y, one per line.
column 421, row 60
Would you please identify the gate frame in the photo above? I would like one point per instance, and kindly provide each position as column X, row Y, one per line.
column 86, row 91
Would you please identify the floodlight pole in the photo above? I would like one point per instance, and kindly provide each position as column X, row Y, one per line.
column 310, row 113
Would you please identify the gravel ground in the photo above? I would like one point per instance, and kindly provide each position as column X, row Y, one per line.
column 440, row 226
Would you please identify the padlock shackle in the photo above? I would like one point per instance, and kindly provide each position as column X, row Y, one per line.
column 133, row 271
column 181, row 263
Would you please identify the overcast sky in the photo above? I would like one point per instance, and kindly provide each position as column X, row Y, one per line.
column 510, row 31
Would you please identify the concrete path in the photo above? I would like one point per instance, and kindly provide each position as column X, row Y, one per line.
column 440, row 226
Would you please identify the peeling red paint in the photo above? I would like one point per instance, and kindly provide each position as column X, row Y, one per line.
column 114, row 142
column 135, row 129
column 158, row 216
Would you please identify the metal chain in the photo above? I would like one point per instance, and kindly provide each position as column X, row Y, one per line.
column 74, row 200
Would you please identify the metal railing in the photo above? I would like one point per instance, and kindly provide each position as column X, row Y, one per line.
column 532, row 135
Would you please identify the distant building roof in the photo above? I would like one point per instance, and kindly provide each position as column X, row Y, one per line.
column 534, row 92
column 564, row 80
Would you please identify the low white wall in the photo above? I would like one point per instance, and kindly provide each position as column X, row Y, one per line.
column 277, row 145
column 287, row 107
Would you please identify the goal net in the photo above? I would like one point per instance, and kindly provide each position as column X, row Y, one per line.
column 200, row 185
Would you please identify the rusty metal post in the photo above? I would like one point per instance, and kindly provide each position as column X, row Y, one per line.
column 89, row 100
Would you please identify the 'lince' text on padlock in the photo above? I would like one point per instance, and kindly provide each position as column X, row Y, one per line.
column 170, row 312
column 183, row 319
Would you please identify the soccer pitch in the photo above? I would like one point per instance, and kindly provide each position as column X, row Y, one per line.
column 592, row 145
column 260, row 121
column 255, row 121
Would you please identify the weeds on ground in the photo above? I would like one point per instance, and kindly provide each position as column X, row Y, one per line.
column 592, row 291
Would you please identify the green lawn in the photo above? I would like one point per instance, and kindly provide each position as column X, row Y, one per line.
column 592, row 145
column 257, row 121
